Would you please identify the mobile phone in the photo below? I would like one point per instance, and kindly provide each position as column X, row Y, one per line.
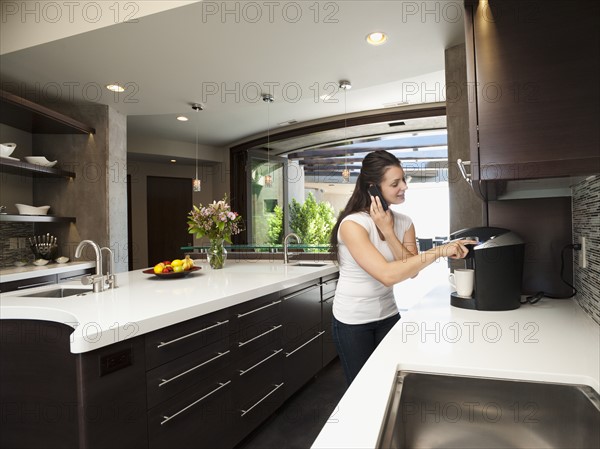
column 374, row 190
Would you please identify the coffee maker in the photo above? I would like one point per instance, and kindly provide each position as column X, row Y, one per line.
column 498, row 264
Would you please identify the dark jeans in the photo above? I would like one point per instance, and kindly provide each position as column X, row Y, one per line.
column 356, row 342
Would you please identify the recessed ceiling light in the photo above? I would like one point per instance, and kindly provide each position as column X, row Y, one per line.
column 173, row 160
column 182, row 118
column 115, row 88
column 376, row 38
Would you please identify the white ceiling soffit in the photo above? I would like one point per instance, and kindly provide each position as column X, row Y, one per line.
column 200, row 53
column 29, row 23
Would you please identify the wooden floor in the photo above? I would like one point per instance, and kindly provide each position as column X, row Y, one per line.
column 298, row 422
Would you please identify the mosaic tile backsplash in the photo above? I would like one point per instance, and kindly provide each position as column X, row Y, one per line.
column 586, row 223
column 13, row 243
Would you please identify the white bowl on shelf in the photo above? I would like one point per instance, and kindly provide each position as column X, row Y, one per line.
column 25, row 209
column 40, row 262
column 62, row 259
column 40, row 160
column 6, row 149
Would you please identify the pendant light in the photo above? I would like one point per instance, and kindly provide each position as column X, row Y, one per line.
column 197, row 182
column 268, row 98
column 344, row 84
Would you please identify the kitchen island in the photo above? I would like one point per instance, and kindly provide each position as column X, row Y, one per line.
column 198, row 361
column 551, row 341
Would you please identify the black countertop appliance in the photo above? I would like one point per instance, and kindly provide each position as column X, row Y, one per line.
column 498, row 264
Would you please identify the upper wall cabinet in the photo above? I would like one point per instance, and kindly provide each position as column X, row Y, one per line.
column 532, row 72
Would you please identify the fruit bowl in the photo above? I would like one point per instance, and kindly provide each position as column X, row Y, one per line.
column 172, row 274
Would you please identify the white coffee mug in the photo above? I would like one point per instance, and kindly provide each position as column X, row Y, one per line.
column 462, row 280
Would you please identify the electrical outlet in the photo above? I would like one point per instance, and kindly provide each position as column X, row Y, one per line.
column 582, row 253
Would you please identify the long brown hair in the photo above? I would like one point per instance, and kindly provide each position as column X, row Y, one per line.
column 373, row 169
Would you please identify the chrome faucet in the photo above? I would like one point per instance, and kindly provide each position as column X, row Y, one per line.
column 286, row 256
column 111, row 277
column 98, row 279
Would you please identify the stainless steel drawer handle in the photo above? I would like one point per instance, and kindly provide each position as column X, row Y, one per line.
column 39, row 284
column 242, row 343
column 168, row 418
column 219, row 323
column 240, row 315
column 244, row 371
column 219, row 355
column 277, row 387
column 293, row 295
column 287, row 354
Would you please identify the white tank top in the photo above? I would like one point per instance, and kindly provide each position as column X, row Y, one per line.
column 360, row 298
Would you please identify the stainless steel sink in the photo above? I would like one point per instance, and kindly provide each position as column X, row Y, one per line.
column 61, row 292
column 443, row 411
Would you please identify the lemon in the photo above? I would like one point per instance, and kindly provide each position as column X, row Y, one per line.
column 159, row 267
column 177, row 268
column 176, row 263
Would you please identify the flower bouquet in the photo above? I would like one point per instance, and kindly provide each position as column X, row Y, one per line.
column 217, row 222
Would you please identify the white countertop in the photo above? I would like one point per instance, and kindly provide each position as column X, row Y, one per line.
column 143, row 303
column 31, row 271
column 553, row 341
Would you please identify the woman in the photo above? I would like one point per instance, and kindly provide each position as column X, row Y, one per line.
column 375, row 250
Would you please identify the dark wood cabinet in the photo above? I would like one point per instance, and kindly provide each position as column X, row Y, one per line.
column 52, row 398
column 202, row 383
column 189, row 382
column 328, row 287
column 258, row 362
column 302, row 335
column 167, row 344
column 198, row 418
column 534, row 102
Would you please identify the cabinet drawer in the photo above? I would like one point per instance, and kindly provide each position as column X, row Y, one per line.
column 266, row 334
column 302, row 314
column 255, row 373
column 171, row 378
column 174, row 341
column 329, row 285
column 265, row 400
column 27, row 283
column 329, row 351
column 199, row 417
column 247, row 315
column 302, row 363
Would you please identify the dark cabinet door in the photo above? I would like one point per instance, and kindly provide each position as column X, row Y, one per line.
column 537, row 105
column 301, row 314
column 200, row 417
column 302, row 363
column 329, row 351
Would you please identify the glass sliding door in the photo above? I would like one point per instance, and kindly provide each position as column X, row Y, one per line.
column 267, row 191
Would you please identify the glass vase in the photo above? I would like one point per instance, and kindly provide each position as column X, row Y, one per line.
column 217, row 254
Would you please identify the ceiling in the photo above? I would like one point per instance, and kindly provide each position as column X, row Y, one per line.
column 225, row 55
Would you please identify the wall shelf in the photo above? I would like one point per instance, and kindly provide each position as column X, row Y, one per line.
column 35, row 218
column 25, row 168
column 34, row 118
